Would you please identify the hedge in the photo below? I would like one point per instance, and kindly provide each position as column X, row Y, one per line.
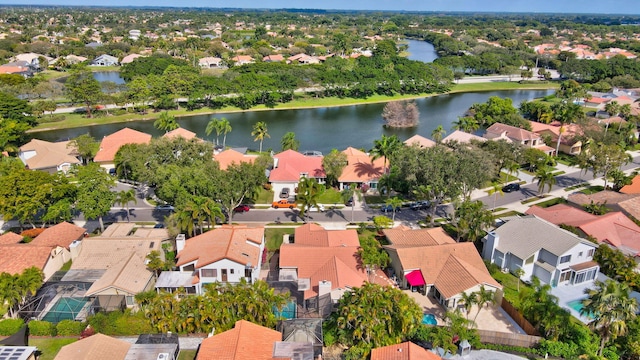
column 119, row 323
column 9, row 327
column 70, row 328
column 41, row 328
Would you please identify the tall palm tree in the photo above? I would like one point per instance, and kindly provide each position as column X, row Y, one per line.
column 225, row 128
column 351, row 192
column 466, row 124
column 166, row 122
column 484, row 297
column 386, row 147
column 611, row 307
column 124, row 197
column 438, row 133
column 545, row 178
column 497, row 190
column 395, row 203
column 308, row 194
column 289, row 141
column 259, row 132
column 468, row 300
column 612, row 108
column 213, row 125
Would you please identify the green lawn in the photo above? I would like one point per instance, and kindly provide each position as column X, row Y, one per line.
column 551, row 202
column 592, row 189
column 532, row 199
column 66, row 266
column 330, row 196
column 274, row 237
column 187, row 355
column 50, row 346
column 502, row 85
column 263, row 196
column 509, row 285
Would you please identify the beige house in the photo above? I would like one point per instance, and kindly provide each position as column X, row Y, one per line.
column 95, row 347
column 526, row 138
column 48, row 156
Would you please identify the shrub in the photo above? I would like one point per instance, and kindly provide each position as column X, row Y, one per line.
column 267, row 186
column 70, row 328
column 120, row 323
column 32, row 233
column 9, row 327
column 41, row 328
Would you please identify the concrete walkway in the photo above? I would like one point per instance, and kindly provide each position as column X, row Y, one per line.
column 487, row 355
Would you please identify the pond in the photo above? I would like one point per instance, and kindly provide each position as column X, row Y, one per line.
column 319, row 129
column 113, row 76
column 421, row 51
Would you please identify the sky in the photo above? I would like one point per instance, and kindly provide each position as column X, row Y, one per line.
column 546, row 6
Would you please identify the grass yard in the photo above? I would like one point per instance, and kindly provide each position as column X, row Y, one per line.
column 507, row 214
column 502, row 85
column 263, row 196
column 274, row 237
column 330, row 196
column 551, row 202
column 592, row 190
column 532, row 199
column 187, row 355
column 509, row 284
column 49, row 346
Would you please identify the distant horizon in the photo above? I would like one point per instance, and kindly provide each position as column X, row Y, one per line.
column 591, row 7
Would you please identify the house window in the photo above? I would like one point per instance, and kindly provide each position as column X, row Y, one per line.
column 590, row 253
column 530, row 260
column 580, row 254
column 247, row 273
column 565, row 276
column 129, row 300
column 209, row 272
column 231, row 271
column 565, row 259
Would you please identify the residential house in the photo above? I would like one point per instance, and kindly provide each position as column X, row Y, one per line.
column 541, row 249
column 613, row 229
column 69, row 60
column 19, row 352
column 462, row 137
column 361, row 169
column 633, row 188
column 273, row 58
column 211, row 63
column 404, row 351
column 432, row 261
column 95, row 347
column 290, row 166
column 32, row 59
column 180, row 133
column 115, row 262
column 105, row 60
column 164, row 346
column 566, row 133
column 225, row 254
column 129, row 58
column 526, row 138
column 242, row 60
column 49, row 251
column 19, row 68
column 325, row 264
column 232, row 156
column 110, row 145
column 419, row 141
column 48, row 156
column 303, row 59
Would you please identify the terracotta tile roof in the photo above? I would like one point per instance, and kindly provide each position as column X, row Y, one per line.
column 276, row 57
column 96, row 347
column 245, row 341
column 230, row 156
column 511, row 132
column 180, row 132
column 420, row 141
column 16, row 258
column 130, row 275
column 633, row 188
column 10, row 238
column 361, row 167
column 315, row 235
column 290, row 164
column 462, row 137
column 405, row 236
column 111, row 143
column 616, row 229
column 62, row 234
column 48, row 154
column 562, row 214
column 105, row 253
column 610, row 197
column 8, row 69
column 238, row 243
column 451, row 268
column 631, row 207
column 405, row 351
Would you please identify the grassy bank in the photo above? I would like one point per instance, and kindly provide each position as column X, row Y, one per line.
column 79, row 120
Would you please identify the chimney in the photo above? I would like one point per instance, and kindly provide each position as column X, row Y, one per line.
column 180, row 243
column 324, row 287
column 492, row 240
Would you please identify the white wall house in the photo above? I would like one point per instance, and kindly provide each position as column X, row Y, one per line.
column 541, row 249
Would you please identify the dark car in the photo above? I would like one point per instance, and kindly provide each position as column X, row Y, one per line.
column 241, row 208
column 349, row 202
column 389, row 208
column 158, row 226
column 511, row 187
column 284, row 194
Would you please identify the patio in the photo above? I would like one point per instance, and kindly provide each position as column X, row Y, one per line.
column 492, row 318
column 568, row 293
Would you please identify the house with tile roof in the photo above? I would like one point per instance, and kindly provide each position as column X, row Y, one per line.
column 231, row 156
column 245, row 341
column 180, row 133
column 566, row 133
column 290, row 166
column 361, row 169
column 49, row 156
column 613, row 229
column 419, row 141
column 633, row 188
column 462, row 137
column 242, row 60
column 129, row 58
column 95, row 347
column 325, row 264
column 110, row 145
column 432, row 261
column 526, row 138
column 211, row 63
column 541, row 249
column 405, row 351
column 228, row 253
column 273, row 58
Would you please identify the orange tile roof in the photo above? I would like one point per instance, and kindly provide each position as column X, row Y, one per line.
column 95, row 347
column 238, row 243
column 512, row 132
column 62, row 234
column 10, row 238
column 230, row 156
column 111, row 143
column 610, row 197
column 245, row 341
column 405, row 236
column 420, row 141
column 315, row 235
column 16, row 258
column 633, row 188
column 361, row 167
column 405, row 351
column 49, row 154
column 180, row 132
column 290, row 164
column 562, row 214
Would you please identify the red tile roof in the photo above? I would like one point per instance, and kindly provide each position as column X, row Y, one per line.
column 245, row 341
column 633, row 188
column 361, row 167
column 62, row 234
column 562, row 214
column 10, row 238
column 16, row 258
column 405, row 236
column 230, row 156
column 315, row 235
column 405, row 351
column 180, row 132
column 290, row 164
column 111, row 143
column 237, row 243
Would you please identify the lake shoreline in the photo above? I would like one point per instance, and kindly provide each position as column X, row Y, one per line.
column 335, row 102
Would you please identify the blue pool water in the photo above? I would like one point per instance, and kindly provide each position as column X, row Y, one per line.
column 66, row 308
column 287, row 312
column 575, row 305
column 429, row 319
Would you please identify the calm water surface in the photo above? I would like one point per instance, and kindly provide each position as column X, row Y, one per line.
column 421, row 51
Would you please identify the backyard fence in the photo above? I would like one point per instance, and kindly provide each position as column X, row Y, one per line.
column 518, row 318
column 501, row 338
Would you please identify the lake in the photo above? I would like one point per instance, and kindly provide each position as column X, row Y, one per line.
column 319, row 129
column 421, row 51
column 113, row 76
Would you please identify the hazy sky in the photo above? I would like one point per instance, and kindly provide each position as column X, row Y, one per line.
column 565, row 6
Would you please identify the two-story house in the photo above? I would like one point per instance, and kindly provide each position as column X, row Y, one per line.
column 225, row 254
column 290, row 166
column 526, row 138
column 541, row 249
column 361, row 169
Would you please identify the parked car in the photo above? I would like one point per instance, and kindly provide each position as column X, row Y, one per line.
column 284, row 194
column 389, row 208
column 420, row 205
column 349, row 202
column 165, row 207
column 511, row 187
column 319, row 208
column 241, row 208
column 282, row 204
column 158, row 226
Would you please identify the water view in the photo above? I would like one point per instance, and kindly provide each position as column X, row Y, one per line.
column 421, row 51
column 113, row 76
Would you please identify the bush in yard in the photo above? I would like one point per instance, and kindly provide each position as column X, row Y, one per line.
column 120, row 323
column 10, row 326
column 41, row 328
column 70, row 328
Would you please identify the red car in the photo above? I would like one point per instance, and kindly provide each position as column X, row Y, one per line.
column 241, row 208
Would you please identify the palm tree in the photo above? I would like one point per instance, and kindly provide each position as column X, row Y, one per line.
column 468, row 300
column 625, row 111
column 124, row 197
column 497, row 190
column 166, row 122
column 212, row 210
column 213, row 125
column 289, row 141
column 545, row 177
column 519, row 272
column 259, row 132
column 483, row 297
column 386, row 147
column 395, row 203
column 225, row 128
column 611, row 307
column 438, row 133
column 350, row 192
column 466, row 124
column 308, row 193
column 612, row 108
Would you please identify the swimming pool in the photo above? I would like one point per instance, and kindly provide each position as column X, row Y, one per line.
column 287, row 312
column 66, row 308
column 429, row 319
column 576, row 305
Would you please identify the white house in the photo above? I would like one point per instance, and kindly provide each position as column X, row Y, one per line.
column 226, row 254
column 541, row 249
column 105, row 60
